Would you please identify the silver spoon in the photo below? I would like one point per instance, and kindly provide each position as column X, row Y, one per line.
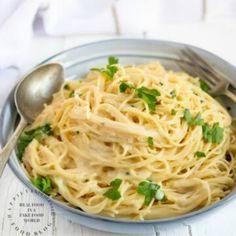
column 32, row 92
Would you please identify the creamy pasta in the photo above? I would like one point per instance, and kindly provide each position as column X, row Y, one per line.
column 138, row 141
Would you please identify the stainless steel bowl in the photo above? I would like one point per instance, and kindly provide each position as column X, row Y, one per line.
column 77, row 62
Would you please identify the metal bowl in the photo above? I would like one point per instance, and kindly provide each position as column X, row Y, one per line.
column 77, row 62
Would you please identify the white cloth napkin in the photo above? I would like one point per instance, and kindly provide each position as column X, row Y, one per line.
column 16, row 33
column 78, row 17
column 59, row 18
column 142, row 16
column 21, row 20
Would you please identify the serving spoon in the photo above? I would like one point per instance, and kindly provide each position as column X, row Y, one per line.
column 32, row 92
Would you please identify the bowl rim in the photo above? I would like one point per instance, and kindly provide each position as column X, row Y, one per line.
column 77, row 211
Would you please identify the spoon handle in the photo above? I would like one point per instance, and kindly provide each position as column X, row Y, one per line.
column 6, row 151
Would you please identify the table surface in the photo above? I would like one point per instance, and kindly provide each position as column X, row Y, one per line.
column 17, row 203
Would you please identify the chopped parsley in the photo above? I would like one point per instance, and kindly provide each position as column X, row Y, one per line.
column 149, row 96
column 173, row 112
column 124, row 86
column 44, row 184
column 214, row 134
column 199, row 154
column 173, row 94
column 110, row 70
column 150, row 191
column 150, row 141
column 113, row 60
column 66, row 87
column 187, row 116
column 72, row 94
column 204, row 86
column 113, row 193
column 26, row 138
column 197, row 120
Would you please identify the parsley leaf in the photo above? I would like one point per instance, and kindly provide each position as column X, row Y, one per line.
column 204, row 86
column 217, row 133
column 46, row 129
column 214, row 134
column 187, row 116
column 151, row 92
column 66, row 87
column 150, row 141
column 110, row 69
column 199, row 154
column 112, row 60
column 44, row 184
column 173, row 112
column 173, row 93
column 26, row 138
column 206, row 131
column 72, row 94
column 113, row 192
column 124, row 86
column 148, row 96
column 147, row 189
column 197, row 120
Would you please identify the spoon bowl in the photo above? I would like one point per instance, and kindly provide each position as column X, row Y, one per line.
column 32, row 92
column 37, row 88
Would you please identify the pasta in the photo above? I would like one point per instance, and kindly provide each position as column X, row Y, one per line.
column 138, row 142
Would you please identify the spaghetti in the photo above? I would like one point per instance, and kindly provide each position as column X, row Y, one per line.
column 138, row 142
